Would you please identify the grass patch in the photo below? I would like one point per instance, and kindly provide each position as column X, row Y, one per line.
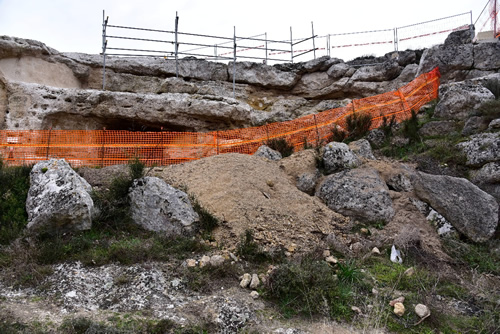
column 476, row 256
column 202, row 279
column 309, row 286
column 249, row 250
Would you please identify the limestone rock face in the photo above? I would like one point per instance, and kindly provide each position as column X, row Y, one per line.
column 470, row 210
column 338, row 156
column 159, row 207
column 437, row 128
column 262, row 75
column 58, row 199
column 481, row 148
column 486, row 56
column 383, row 72
column 359, row 193
column 459, row 100
column 362, row 149
column 475, row 124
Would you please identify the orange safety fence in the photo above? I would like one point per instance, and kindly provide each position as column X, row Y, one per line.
column 110, row 147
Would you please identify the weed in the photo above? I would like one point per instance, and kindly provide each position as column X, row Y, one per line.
column 136, row 168
column 358, row 124
column 348, row 272
column 14, row 186
column 387, row 125
column 309, row 287
column 282, row 146
column 249, row 250
column 201, row 279
column 208, row 222
column 338, row 134
column 410, row 128
column 476, row 256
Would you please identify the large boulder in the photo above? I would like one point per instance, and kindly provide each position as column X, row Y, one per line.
column 157, row 206
column 470, row 210
column 481, row 148
column 362, row 149
column 265, row 151
column 58, row 199
column 338, row 156
column 437, row 128
column 382, row 72
column 263, row 75
column 486, row 56
column 459, row 100
column 360, row 193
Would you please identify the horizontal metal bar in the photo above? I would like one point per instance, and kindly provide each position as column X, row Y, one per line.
column 140, row 39
column 141, row 50
column 361, row 32
column 144, row 29
column 206, row 45
column 442, row 18
column 303, row 53
column 305, row 39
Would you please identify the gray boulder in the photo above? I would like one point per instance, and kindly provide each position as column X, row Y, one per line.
column 265, row 151
column 338, row 156
column 489, row 173
column 306, row 182
column 58, row 199
column 461, row 99
column 437, row 128
column 263, row 75
column 475, row 124
column 460, row 37
column 470, row 210
column 494, row 125
column 376, row 137
column 400, row 182
column 157, row 206
column 358, row 193
column 338, row 70
column 362, row 149
column 486, row 56
column 386, row 71
column 481, row 148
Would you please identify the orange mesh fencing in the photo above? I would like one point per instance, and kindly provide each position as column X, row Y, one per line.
column 104, row 148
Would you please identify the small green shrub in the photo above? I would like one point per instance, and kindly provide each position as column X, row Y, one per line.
column 410, row 128
column 309, row 287
column 358, row 124
column 338, row 134
column 201, row 279
column 208, row 222
column 136, row 168
column 282, row 146
column 249, row 250
column 348, row 272
column 387, row 125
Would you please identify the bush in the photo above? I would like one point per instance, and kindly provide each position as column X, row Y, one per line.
column 387, row 125
column 410, row 128
column 14, row 186
column 309, row 287
column 282, row 146
column 358, row 124
column 249, row 250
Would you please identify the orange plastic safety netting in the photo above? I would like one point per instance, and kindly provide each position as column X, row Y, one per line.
column 104, row 148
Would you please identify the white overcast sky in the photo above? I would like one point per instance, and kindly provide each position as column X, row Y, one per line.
column 76, row 26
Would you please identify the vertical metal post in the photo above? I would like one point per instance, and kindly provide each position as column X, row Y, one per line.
column 215, row 51
column 471, row 17
column 291, row 44
column 314, row 44
column 317, row 131
column 396, row 41
column 48, row 142
column 217, row 141
column 234, row 63
column 104, row 44
column 495, row 18
column 102, row 146
column 329, row 45
column 266, row 45
column 176, row 46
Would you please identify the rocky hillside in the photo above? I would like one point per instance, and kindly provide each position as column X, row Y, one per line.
column 394, row 230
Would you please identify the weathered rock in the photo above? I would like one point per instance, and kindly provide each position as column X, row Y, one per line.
column 58, row 199
column 494, row 125
column 157, row 206
column 217, row 260
column 263, row 75
column 481, row 148
column 338, row 156
column 306, row 182
column 399, row 309
column 255, row 282
column 254, row 294
column 470, row 210
column 437, row 128
column 362, row 149
column 331, row 259
column 265, row 151
column 338, row 70
column 13, row 47
column 459, row 100
column 376, row 137
column 460, row 37
column 489, row 173
column 422, row 311
column 407, row 74
column 400, row 299
column 375, row 251
column 475, row 124
column 245, row 281
column 400, row 182
column 205, row 260
column 177, row 85
column 486, row 56
column 386, row 71
column 359, row 193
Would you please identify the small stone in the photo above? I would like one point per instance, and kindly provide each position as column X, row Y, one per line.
column 204, row 261
column 175, row 283
column 397, row 300
column 235, row 259
column 399, row 309
column 254, row 294
column 356, row 309
column 422, row 311
column 326, row 253
column 246, row 280
column 71, row 294
column 375, row 250
column 291, row 248
column 191, row 263
column 254, row 283
column 364, row 230
column 409, row 272
column 332, row 260
column 217, row 260
column 374, row 291
column 263, row 278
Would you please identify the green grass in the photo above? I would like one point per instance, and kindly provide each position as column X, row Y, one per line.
column 249, row 250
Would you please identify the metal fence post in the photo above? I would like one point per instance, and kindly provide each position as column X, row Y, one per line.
column 102, row 145
column 317, row 131
column 234, row 63
column 176, row 46
column 291, row 44
column 314, row 44
column 48, row 142
column 104, row 44
column 396, row 47
column 266, row 45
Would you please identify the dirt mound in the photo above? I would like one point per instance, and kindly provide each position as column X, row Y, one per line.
column 251, row 193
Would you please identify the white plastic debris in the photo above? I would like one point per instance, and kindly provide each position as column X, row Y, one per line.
column 396, row 255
